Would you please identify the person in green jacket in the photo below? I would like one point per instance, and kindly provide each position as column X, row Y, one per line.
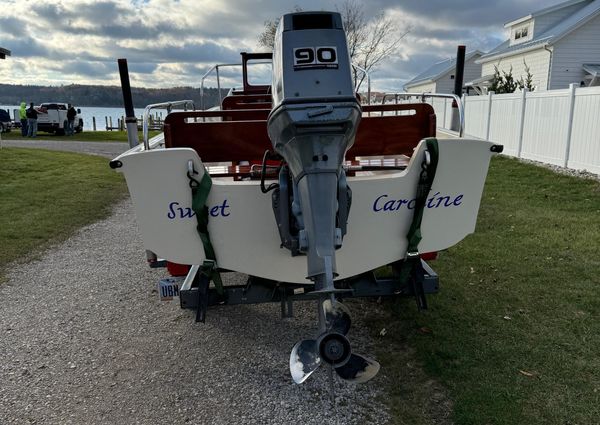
column 23, row 118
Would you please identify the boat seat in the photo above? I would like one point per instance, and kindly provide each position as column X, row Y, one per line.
column 252, row 101
column 241, row 135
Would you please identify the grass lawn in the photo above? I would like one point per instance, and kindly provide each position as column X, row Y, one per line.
column 514, row 334
column 84, row 136
column 513, row 337
column 45, row 196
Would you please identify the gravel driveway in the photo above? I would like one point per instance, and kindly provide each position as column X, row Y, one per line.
column 84, row 339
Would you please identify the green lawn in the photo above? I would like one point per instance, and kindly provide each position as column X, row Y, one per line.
column 45, row 196
column 85, row 136
column 514, row 334
column 513, row 337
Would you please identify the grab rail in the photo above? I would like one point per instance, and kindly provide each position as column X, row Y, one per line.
column 206, row 74
column 216, row 68
column 165, row 105
column 455, row 98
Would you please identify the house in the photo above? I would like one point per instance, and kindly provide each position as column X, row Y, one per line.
column 439, row 78
column 560, row 45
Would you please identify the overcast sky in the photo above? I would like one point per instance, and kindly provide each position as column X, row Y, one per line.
column 172, row 43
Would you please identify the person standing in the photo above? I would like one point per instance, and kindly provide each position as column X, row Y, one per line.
column 23, row 118
column 31, row 121
column 71, row 114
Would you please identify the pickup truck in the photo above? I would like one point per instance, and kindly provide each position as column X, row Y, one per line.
column 52, row 118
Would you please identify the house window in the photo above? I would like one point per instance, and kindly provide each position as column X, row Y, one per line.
column 521, row 33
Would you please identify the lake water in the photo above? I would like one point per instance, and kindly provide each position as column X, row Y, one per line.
column 101, row 114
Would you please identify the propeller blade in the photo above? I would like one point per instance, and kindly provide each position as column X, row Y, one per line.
column 358, row 369
column 337, row 317
column 304, row 360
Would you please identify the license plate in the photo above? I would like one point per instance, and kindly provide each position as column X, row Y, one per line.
column 168, row 288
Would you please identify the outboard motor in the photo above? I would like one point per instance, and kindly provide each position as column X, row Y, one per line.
column 313, row 123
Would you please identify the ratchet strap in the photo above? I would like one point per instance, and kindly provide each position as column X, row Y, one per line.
column 412, row 268
column 200, row 191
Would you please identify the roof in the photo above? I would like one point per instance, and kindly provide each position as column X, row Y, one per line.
column 438, row 69
column 480, row 80
column 592, row 68
column 551, row 35
column 4, row 53
column 543, row 12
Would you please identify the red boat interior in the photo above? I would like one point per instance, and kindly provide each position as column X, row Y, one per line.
column 237, row 133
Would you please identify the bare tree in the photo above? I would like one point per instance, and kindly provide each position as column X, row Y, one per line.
column 267, row 37
column 370, row 41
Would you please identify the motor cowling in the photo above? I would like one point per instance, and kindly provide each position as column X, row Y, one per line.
column 312, row 125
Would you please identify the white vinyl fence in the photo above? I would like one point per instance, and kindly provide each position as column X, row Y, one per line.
column 560, row 127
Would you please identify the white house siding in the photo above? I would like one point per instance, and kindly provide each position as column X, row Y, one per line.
column 570, row 53
column 538, row 62
column 445, row 84
column 548, row 20
column 422, row 88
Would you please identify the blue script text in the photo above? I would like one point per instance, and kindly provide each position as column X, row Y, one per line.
column 385, row 203
column 176, row 211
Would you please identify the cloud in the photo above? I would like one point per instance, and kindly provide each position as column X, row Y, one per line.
column 87, row 69
column 466, row 12
column 13, row 27
column 174, row 42
column 27, row 47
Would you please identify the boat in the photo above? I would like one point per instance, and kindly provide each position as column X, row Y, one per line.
column 307, row 189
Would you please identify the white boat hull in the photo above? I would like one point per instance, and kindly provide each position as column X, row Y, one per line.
column 244, row 232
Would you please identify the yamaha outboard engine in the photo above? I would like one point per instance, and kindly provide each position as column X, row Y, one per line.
column 312, row 125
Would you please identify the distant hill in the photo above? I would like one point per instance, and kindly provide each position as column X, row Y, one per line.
column 110, row 96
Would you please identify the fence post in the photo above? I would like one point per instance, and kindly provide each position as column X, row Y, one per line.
column 94, row 123
column 522, row 123
column 489, row 116
column 444, row 119
column 572, row 88
column 464, row 104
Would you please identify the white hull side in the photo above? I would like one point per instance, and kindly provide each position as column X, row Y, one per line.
column 243, row 228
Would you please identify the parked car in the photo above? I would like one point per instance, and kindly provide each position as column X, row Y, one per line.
column 5, row 121
column 52, row 118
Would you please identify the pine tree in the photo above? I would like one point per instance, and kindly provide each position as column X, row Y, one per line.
column 526, row 83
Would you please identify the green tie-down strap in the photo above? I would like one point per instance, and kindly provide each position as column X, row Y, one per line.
column 200, row 191
column 424, row 186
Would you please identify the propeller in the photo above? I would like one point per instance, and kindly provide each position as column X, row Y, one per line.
column 331, row 347
column 337, row 316
column 304, row 360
